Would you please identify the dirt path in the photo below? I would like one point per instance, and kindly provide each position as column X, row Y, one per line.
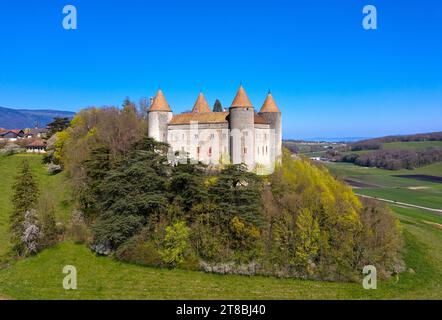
column 438, row 211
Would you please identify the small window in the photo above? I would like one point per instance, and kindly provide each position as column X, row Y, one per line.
column 210, row 151
column 245, row 150
column 267, row 150
column 198, row 150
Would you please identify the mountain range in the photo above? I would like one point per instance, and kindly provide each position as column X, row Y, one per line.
column 24, row 118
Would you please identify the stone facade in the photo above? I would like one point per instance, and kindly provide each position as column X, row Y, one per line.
column 238, row 136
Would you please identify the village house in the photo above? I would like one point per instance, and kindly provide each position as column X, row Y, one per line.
column 36, row 146
column 11, row 135
column 37, row 133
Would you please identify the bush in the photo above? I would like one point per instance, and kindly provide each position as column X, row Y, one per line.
column 53, row 169
column 175, row 244
column 78, row 229
column 138, row 251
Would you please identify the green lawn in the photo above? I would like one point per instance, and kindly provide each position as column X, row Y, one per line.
column 40, row 277
column 53, row 185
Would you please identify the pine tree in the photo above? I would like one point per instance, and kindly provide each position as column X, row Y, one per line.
column 217, row 107
column 24, row 199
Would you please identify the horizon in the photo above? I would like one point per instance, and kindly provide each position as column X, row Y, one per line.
column 329, row 76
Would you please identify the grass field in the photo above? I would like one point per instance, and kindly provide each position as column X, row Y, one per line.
column 412, row 145
column 40, row 277
column 52, row 184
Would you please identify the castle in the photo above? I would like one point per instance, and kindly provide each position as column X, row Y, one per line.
column 239, row 135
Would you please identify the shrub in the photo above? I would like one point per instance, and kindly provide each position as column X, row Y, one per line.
column 53, row 169
column 175, row 244
column 78, row 229
column 138, row 251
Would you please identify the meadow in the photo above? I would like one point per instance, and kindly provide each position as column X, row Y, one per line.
column 54, row 185
column 386, row 184
column 40, row 276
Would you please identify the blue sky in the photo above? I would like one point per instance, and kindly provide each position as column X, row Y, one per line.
column 330, row 77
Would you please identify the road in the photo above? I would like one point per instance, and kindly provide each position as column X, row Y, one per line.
column 438, row 211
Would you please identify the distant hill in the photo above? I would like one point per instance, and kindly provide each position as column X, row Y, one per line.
column 23, row 118
column 376, row 143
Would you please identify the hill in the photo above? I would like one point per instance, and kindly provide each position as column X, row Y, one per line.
column 23, row 118
column 377, row 143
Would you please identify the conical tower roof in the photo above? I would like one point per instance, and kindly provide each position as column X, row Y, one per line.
column 201, row 105
column 160, row 103
column 241, row 99
column 269, row 105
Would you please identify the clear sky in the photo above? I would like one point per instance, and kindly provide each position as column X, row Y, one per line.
column 329, row 76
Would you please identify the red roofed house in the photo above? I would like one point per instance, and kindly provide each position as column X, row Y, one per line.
column 11, row 135
column 36, row 146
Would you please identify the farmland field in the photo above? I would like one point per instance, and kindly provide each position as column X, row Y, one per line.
column 392, row 185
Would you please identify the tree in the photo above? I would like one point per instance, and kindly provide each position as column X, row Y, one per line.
column 307, row 235
column 217, row 107
column 24, row 199
column 46, row 218
column 31, row 233
column 59, row 124
column 132, row 191
column 175, row 244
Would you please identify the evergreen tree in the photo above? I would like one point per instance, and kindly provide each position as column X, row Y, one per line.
column 46, row 218
column 217, row 107
column 58, row 125
column 24, row 199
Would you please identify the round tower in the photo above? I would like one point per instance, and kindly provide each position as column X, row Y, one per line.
column 272, row 114
column 159, row 117
column 242, row 130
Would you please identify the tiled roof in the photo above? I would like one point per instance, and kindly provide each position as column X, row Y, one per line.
column 160, row 103
column 241, row 99
column 37, row 143
column 205, row 117
column 260, row 119
column 201, row 105
column 269, row 105
column 209, row 117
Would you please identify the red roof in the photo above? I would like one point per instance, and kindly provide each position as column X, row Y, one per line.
column 37, row 143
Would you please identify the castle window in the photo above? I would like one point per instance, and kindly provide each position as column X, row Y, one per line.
column 198, row 150
column 267, row 150
column 210, row 151
column 245, row 150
